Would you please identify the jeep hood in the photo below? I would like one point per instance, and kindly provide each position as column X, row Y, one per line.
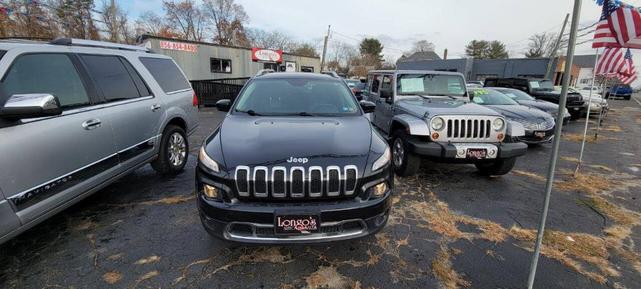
column 441, row 106
column 270, row 141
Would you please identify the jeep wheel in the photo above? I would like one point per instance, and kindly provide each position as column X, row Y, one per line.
column 496, row 168
column 174, row 151
column 405, row 163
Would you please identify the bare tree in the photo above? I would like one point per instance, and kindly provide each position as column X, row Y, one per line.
column 27, row 19
column 228, row 19
column 422, row 46
column 186, row 18
column 270, row 40
column 76, row 19
column 540, row 45
column 116, row 23
column 343, row 53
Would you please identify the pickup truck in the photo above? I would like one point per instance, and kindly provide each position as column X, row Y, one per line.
column 542, row 89
column 428, row 114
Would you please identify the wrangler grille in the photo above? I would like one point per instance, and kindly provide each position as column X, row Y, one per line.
column 469, row 129
column 296, row 182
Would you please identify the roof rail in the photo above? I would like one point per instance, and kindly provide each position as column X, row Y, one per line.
column 264, row 71
column 98, row 44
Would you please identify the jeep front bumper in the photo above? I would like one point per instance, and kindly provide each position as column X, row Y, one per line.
column 449, row 151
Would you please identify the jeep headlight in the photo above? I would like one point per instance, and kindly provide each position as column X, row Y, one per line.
column 207, row 161
column 498, row 124
column 438, row 123
column 383, row 160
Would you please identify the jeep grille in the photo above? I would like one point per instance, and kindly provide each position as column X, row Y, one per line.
column 469, row 129
column 296, row 182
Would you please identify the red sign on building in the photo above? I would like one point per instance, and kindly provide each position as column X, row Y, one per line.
column 267, row 55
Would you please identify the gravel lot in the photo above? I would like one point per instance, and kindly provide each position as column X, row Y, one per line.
column 449, row 228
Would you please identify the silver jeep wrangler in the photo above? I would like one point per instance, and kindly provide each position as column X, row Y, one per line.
column 76, row 115
column 428, row 114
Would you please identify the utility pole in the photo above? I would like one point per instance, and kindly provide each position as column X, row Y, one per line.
column 114, row 24
column 557, row 142
column 556, row 48
column 329, row 27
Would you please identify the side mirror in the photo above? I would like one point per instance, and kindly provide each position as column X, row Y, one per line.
column 223, row 104
column 367, row 106
column 20, row 106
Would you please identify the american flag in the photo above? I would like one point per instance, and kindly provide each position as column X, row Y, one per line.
column 603, row 35
column 612, row 61
column 625, row 22
column 630, row 73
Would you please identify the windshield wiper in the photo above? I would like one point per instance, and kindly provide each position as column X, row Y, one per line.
column 249, row 111
column 304, row 113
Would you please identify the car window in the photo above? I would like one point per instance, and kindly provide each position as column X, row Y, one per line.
column 491, row 97
column 430, row 84
column 387, row 83
column 47, row 73
column 294, row 96
column 166, row 74
column 376, row 82
column 111, row 77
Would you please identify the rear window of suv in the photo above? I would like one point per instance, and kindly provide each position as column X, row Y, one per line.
column 166, row 74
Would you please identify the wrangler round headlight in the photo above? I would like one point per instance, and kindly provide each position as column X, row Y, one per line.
column 498, row 124
column 438, row 123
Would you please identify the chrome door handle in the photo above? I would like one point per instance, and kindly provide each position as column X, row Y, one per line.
column 155, row 107
column 91, row 124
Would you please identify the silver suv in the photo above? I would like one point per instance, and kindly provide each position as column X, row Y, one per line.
column 76, row 115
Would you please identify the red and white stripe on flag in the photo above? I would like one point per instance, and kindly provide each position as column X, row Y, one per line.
column 603, row 36
column 625, row 22
column 611, row 61
column 627, row 79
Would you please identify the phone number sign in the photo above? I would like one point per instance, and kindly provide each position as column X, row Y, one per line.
column 179, row 46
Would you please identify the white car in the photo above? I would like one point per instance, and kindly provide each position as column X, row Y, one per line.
column 597, row 104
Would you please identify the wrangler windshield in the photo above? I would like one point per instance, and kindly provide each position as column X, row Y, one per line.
column 430, row 85
column 297, row 96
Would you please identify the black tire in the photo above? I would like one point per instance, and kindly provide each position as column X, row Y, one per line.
column 496, row 168
column 166, row 163
column 404, row 162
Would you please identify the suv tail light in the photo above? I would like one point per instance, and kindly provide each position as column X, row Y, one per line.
column 194, row 100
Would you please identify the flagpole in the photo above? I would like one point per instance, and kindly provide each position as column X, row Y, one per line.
column 557, row 141
column 598, row 123
column 587, row 117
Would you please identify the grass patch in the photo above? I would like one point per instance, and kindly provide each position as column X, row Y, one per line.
column 443, row 271
column 529, row 175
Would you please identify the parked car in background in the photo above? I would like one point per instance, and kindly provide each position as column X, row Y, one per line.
column 294, row 161
column 598, row 103
column 77, row 115
column 475, row 82
column 620, row 90
column 542, row 89
column 595, row 89
column 427, row 114
column 356, row 86
column 525, row 99
column 539, row 125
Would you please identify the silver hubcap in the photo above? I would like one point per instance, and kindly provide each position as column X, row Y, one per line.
column 398, row 152
column 177, row 149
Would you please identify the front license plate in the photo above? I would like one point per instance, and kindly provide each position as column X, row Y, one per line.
column 476, row 153
column 296, row 224
column 539, row 134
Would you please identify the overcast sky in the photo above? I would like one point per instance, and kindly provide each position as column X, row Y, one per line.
column 448, row 24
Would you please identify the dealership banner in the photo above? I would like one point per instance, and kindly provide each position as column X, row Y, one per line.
column 188, row 47
column 267, row 55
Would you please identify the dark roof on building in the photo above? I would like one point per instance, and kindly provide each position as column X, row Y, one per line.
column 423, row 55
column 584, row 61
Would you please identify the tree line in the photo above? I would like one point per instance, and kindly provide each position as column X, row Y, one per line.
column 218, row 21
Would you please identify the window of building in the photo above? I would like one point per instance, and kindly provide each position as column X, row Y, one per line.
column 272, row 66
column 53, row 74
column 219, row 65
column 307, row 69
column 166, row 74
column 111, row 77
column 376, row 82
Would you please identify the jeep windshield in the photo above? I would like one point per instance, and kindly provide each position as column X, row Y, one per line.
column 297, row 97
column 430, row 85
column 542, row 85
column 491, row 97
